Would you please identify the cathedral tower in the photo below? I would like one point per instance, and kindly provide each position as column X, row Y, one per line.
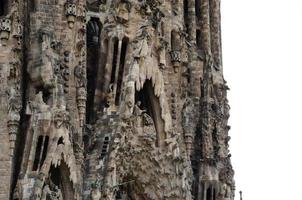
column 113, row 100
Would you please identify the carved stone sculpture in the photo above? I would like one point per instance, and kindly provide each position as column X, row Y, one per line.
column 71, row 13
column 5, row 29
column 113, row 100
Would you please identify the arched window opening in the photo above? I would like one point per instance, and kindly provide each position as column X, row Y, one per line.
column 93, row 54
column 150, row 103
column 186, row 14
column 121, row 70
column 38, row 153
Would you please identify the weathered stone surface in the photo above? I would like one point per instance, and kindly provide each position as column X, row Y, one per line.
column 113, row 100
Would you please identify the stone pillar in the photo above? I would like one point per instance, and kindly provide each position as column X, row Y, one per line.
column 216, row 32
column 192, row 20
column 205, row 25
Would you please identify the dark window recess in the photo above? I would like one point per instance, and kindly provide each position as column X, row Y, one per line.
column 38, row 153
column 45, row 93
column 45, row 147
column 121, row 70
column 105, row 147
column 198, row 39
column 209, row 194
column 60, row 141
column 3, row 7
column 114, row 61
column 93, row 55
column 59, row 176
column 186, row 14
column 32, row 5
column 120, row 193
column 198, row 8
column 93, row 32
column 150, row 103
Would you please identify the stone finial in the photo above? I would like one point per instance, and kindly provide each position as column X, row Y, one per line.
column 71, row 13
column 14, row 108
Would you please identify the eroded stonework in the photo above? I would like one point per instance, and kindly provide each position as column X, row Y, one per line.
column 113, row 100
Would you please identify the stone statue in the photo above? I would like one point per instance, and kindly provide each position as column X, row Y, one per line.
column 39, row 104
column 137, row 111
column 141, row 43
column 14, row 100
column 123, row 10
column 80, row 75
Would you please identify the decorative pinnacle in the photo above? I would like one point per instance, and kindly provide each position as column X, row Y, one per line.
column 240, row 192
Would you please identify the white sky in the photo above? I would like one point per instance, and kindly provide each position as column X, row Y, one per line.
column 262, row 52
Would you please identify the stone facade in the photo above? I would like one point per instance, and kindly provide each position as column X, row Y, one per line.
column 113, row 100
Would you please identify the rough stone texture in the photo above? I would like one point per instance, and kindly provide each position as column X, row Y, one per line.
column 114, row 100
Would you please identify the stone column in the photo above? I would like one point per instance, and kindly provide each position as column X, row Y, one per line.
column 205, row 26
column 215, row 20
column 192, row 19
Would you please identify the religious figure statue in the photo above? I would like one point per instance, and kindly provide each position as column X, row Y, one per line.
column 137, row 111
column 80, row 76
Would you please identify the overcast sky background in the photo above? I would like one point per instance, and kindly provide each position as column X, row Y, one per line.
column 262, row 52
